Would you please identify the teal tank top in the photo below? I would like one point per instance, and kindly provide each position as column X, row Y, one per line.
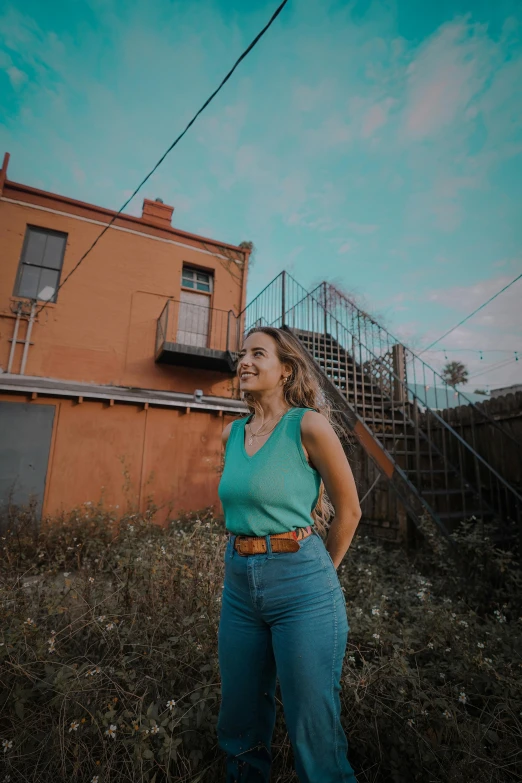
column 274, row 490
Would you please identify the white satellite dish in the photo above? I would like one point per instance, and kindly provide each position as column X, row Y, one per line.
column 46, row 293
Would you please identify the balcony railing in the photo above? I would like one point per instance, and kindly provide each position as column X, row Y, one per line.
column 195, row 335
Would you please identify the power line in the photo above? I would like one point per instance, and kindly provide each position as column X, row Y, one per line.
column 474, row 350
column 469, row 316
column 160, row 161
column 497, row 366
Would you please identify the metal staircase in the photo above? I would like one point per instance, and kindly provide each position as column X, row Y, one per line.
column 375, row 384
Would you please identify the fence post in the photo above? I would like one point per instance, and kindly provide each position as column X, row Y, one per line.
column 399, row 374
column 283, row 302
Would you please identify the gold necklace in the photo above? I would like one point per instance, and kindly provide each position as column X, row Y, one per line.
column 256, row 434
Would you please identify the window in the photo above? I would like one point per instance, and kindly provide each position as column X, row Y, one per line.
column 199, row 281
column 40, row 264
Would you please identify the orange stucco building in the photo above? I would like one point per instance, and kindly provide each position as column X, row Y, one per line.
column 117, row 382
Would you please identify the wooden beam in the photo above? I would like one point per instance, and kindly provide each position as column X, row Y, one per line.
column 80, row 400
column 111, row 403
column 34, row 395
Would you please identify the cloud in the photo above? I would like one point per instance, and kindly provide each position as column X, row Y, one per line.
column 363, row 228
column 16, row 76
column 345, row 248
column 449, row 70
column 376, row 117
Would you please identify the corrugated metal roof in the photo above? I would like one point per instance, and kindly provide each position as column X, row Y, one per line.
column 28, row 384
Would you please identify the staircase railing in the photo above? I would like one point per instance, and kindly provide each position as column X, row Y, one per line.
column 371, row 370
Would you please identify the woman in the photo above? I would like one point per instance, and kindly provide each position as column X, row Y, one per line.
column 283, row 611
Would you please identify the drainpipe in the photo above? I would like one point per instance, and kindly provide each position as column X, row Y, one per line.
column 28, row 338
column 14, row 337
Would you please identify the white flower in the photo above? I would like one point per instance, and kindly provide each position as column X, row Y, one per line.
column 448, row 649
column 154, row 729
column 375, row 611
column 67, row 573
column 376, row 636
column 163, row 550
column 91, row 579
column 7, row 745
column 101, row 618
column 462, row 697
column 479, row 644
column 430, row 645
column 109, row 626
column 131, row 528
column 171, row 704
column 384, row 597
column 447, row 714
column 402, row 691
column 29, row 621
column 358, row 611
column 111, row 731
column 95, row 779
column 422, row 595
column 138, row 559
column 351, row 659
column 464, row 623
column 488, row 660
column 410, row 722
column 74, row 726
column 442, row 675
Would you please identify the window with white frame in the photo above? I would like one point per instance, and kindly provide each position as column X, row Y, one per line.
column 197, row 280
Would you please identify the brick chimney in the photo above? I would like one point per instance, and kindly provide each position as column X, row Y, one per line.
column 157, row 212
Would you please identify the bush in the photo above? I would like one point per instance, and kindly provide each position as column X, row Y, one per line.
column 109, row 668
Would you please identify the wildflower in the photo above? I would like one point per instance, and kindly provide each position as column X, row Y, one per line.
column 410, row 722
column 7, row 745
column 442, row 675
column 375, row 611
column 91, row 579
column 430, row 645
column 163, row 550
column 95, row 779
column 199, row 647
column 101, row 618
column 51, row 643
column 384, row 614
column 464, row 623
column 358, row 611
column 453, row 615
column 67, row 573
column 462, row 697
column 351, row 659
column 384, row 597
column 402, row 691
column 448, row 649
column 170, row 704
column 500, row 617
column 74, row 726
column 111, row 731
column 479, row 644
column 424, row 712
column 376, row 636
column 447, row 714
column 131, row 528
column 138, row 559
column 109, row 626
column 488, row 660
column 29, row 621
column 154, row 729
column 422, row 595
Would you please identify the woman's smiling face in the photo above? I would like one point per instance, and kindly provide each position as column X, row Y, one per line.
column 259, row 359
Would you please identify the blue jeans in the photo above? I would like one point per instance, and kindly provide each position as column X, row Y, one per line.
column 282, row 613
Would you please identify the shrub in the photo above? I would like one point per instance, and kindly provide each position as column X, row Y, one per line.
column 109, row 668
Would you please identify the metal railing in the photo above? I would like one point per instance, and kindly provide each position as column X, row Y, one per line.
column 196, row 325
column 371, row 369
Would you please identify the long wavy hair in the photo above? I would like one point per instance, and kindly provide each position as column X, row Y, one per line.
column 302, row 390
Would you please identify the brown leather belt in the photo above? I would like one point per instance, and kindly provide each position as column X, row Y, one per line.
column 280, row 542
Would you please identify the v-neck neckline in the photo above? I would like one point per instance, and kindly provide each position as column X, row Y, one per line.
column 243, row 434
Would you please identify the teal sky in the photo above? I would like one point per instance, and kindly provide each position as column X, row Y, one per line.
column 376, row 145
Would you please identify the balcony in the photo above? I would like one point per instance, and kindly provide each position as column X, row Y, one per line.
column 189, row 334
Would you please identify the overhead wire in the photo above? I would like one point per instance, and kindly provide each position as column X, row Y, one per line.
column 160, row 161
column 470, row 315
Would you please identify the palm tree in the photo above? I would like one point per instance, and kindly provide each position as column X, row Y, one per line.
column 454, row 373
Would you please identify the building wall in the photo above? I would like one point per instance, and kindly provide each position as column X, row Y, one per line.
column 102, row 328
column 125, row 455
